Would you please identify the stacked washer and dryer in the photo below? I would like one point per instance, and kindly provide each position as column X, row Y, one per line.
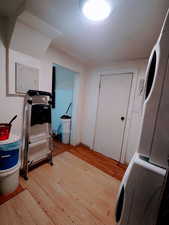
column 141, row 188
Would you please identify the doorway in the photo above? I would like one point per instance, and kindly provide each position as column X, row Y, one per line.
column 114, row 96
column 63, row 91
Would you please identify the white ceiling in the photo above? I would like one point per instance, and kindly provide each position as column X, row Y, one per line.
column 129, row 33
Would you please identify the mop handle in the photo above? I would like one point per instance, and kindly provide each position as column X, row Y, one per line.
column 68, row 108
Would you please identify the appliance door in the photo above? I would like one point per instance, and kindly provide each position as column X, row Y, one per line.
column 140, row 193
column 151, row 99
column 124, row 198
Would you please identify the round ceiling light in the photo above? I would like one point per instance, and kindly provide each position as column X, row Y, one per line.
column 96, row 10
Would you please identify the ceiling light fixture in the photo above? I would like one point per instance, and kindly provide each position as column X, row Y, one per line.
column 96, row 10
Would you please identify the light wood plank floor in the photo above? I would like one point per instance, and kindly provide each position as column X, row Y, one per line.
column 100, row 161
column 72, row 192
column 23, row 209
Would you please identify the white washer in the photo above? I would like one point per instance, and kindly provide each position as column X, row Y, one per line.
column 140, row 193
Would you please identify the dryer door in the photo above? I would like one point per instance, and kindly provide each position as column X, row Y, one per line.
column 152, row 95
column 119, row 207
column 151, row 74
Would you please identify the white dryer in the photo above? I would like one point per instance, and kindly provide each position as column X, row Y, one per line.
column 154, row 141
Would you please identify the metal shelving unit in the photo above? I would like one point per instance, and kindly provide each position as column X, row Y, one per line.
column 37, row 143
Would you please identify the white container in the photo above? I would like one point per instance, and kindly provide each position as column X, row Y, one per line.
column 9, row 180
column 66, row 128
column 66, row 138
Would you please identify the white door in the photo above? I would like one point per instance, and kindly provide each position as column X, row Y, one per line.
column 112, row 113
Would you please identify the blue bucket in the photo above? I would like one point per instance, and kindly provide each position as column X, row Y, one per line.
column 9, row 155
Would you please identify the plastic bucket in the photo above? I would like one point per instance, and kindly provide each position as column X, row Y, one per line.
column 4, row 131
column 66, row 138
column 9, row 153
column 9, row 180
column 66, row 129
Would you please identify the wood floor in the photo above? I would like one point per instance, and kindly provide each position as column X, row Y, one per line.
column 4, row 198
column 106, row 164
column 72, row 192
column 80, row 189
column 23, row 210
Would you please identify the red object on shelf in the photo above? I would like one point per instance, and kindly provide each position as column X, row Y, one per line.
column 4, row 131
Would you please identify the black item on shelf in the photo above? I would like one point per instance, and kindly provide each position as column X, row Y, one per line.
column 40, row 114
column 39, row 93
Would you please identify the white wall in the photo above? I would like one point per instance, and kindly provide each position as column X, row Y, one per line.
column 9, row 106
column 90, row 106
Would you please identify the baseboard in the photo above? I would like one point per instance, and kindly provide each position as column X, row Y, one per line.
column 83, row 145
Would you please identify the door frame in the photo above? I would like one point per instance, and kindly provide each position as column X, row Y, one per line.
column 74, row 135
column 129, row 110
